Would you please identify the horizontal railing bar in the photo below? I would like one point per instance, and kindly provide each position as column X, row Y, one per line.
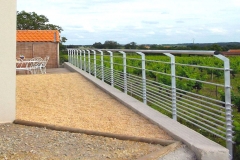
column 202, row 127
column 119, row 72
column 158, row 83
column 162, row 106
column 135, row 86
column 197, row 66
column 134, row 80
column 204, row 110
column 119, row 87
column 158, row 61
column 214, row 84
column 201, row 100
column 159, row 93
column 131, row 75
column 118, row 57
column 118, row 64
column 213, row 109
column 195, row 111
column 136, row 93
column 117, row 83
column 214, row 100
column 162, row 98
column 134, row 67
column 192, row 52
column 139, row 59
column 158, row 72
column 199, row 122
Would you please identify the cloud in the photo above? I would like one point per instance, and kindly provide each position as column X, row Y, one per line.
column 86, row 22
column 151, row 33
column 180, row 21
column 217, row 31
column 150, row 22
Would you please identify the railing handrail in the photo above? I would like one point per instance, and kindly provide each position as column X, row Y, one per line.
column 192, row 52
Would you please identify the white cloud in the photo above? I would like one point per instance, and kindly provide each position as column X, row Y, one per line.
column 86, row 22
column 218, row 31
column 151, row 33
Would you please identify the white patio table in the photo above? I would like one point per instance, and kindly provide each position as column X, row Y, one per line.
column 27, row 65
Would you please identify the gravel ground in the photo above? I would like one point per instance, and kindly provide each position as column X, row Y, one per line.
column 70, row 100
column 22, row 142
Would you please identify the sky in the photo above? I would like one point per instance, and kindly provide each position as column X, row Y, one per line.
column 141, row 21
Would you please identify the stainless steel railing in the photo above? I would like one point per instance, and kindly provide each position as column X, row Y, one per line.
column 167, row 90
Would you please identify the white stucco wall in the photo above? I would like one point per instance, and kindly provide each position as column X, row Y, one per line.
column 7, row 60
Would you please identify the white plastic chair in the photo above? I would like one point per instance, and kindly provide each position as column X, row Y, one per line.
column 43, row 65
column 36, row 64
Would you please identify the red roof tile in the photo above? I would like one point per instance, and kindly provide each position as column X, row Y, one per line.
column 234, row 50
column 37, row 36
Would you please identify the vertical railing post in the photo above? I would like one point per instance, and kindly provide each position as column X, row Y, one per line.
column 144, row 89
column 228, row 108
column 84, row 60
column 94, row 64
column 74, row 57
column 89, row 62
column 173, row 84
column 111, row 68
column 124, row 71
column 71, row 56
column 102, row 65
column 68, row 55
column 76, row 53
column 80, row 59
column 77, row 64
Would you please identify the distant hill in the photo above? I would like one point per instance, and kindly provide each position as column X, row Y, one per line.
column 223, row 44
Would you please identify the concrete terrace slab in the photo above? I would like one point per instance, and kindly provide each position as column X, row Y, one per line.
column 57, row 70
column 204, row 148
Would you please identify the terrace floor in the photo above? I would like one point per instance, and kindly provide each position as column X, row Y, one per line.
column 63, row 100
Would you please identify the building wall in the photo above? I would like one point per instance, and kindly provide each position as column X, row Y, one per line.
column 7, row 61
column 39, row 49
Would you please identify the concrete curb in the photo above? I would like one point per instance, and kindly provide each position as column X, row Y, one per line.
column 96, row 133
column 204, row 148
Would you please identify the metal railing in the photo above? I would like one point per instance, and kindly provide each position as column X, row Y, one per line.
column 166, row 86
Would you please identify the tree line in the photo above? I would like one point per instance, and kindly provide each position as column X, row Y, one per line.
column 201, row 46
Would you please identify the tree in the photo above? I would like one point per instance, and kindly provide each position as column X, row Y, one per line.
column 111, row 45
column 131, row 45
column 98, row 45
column 142, row 46
column 33, row 21
column 61, row 46
column 215, row 47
